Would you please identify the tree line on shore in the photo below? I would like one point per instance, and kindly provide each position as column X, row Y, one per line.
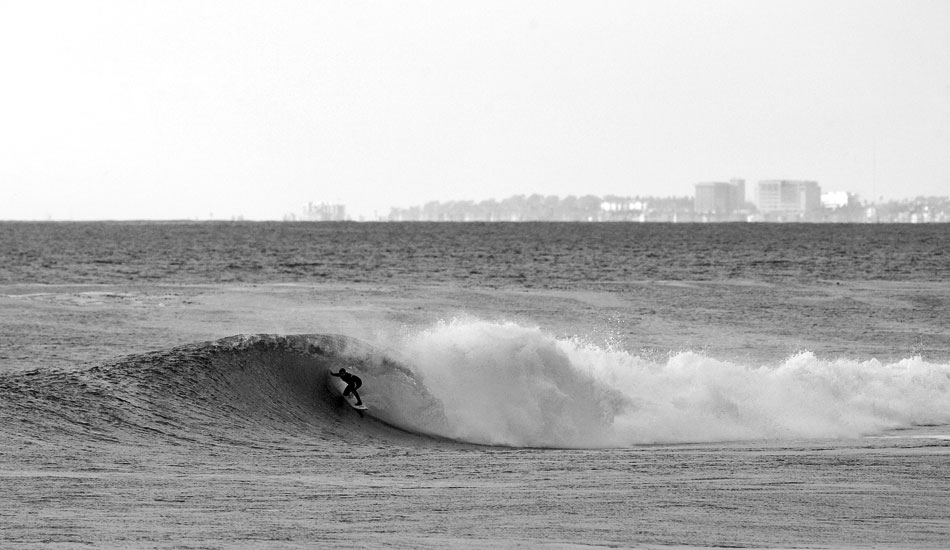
column 591, row 208
column 542, row 208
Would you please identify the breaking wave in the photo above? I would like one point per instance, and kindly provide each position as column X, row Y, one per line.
column 476, row 382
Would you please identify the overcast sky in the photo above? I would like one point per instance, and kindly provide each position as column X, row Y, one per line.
column 161, row 109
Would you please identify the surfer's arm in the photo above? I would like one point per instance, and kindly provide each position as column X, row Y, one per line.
column 334, row 373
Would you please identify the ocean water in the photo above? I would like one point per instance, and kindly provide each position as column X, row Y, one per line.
column 522, row 255
column 164, row 385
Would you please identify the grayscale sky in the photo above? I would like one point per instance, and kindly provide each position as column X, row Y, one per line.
column 190, row 109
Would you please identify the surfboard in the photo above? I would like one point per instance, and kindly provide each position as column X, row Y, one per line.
column 340, row 385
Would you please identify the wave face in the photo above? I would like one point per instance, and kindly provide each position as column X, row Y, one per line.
column 245, row 390
column 471, row 381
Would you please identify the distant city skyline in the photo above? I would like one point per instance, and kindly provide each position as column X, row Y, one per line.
column 784, row 201
column 125, row 110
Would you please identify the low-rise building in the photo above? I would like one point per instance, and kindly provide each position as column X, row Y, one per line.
column 324, row 212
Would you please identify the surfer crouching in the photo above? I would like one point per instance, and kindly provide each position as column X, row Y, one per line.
column 352, row 383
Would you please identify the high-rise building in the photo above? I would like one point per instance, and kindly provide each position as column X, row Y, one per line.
column 788, row 198
column 719, row 200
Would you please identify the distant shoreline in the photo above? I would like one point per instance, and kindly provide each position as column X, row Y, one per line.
column 462, row 222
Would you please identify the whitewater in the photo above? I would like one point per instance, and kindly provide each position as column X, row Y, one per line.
column 512, row 385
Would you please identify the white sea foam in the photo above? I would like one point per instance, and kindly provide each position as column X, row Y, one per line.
column 504, row 383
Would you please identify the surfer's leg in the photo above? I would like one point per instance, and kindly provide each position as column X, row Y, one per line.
column 357, row 396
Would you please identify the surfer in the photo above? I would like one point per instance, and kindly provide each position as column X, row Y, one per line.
column 352, row 383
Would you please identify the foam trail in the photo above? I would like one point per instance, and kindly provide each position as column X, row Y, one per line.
column 502, row 383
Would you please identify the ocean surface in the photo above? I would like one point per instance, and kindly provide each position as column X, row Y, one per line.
column 552, row 385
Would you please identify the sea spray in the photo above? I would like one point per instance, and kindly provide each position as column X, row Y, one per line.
column 504, row 383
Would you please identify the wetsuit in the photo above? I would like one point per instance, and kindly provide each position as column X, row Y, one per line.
column 352, row 383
